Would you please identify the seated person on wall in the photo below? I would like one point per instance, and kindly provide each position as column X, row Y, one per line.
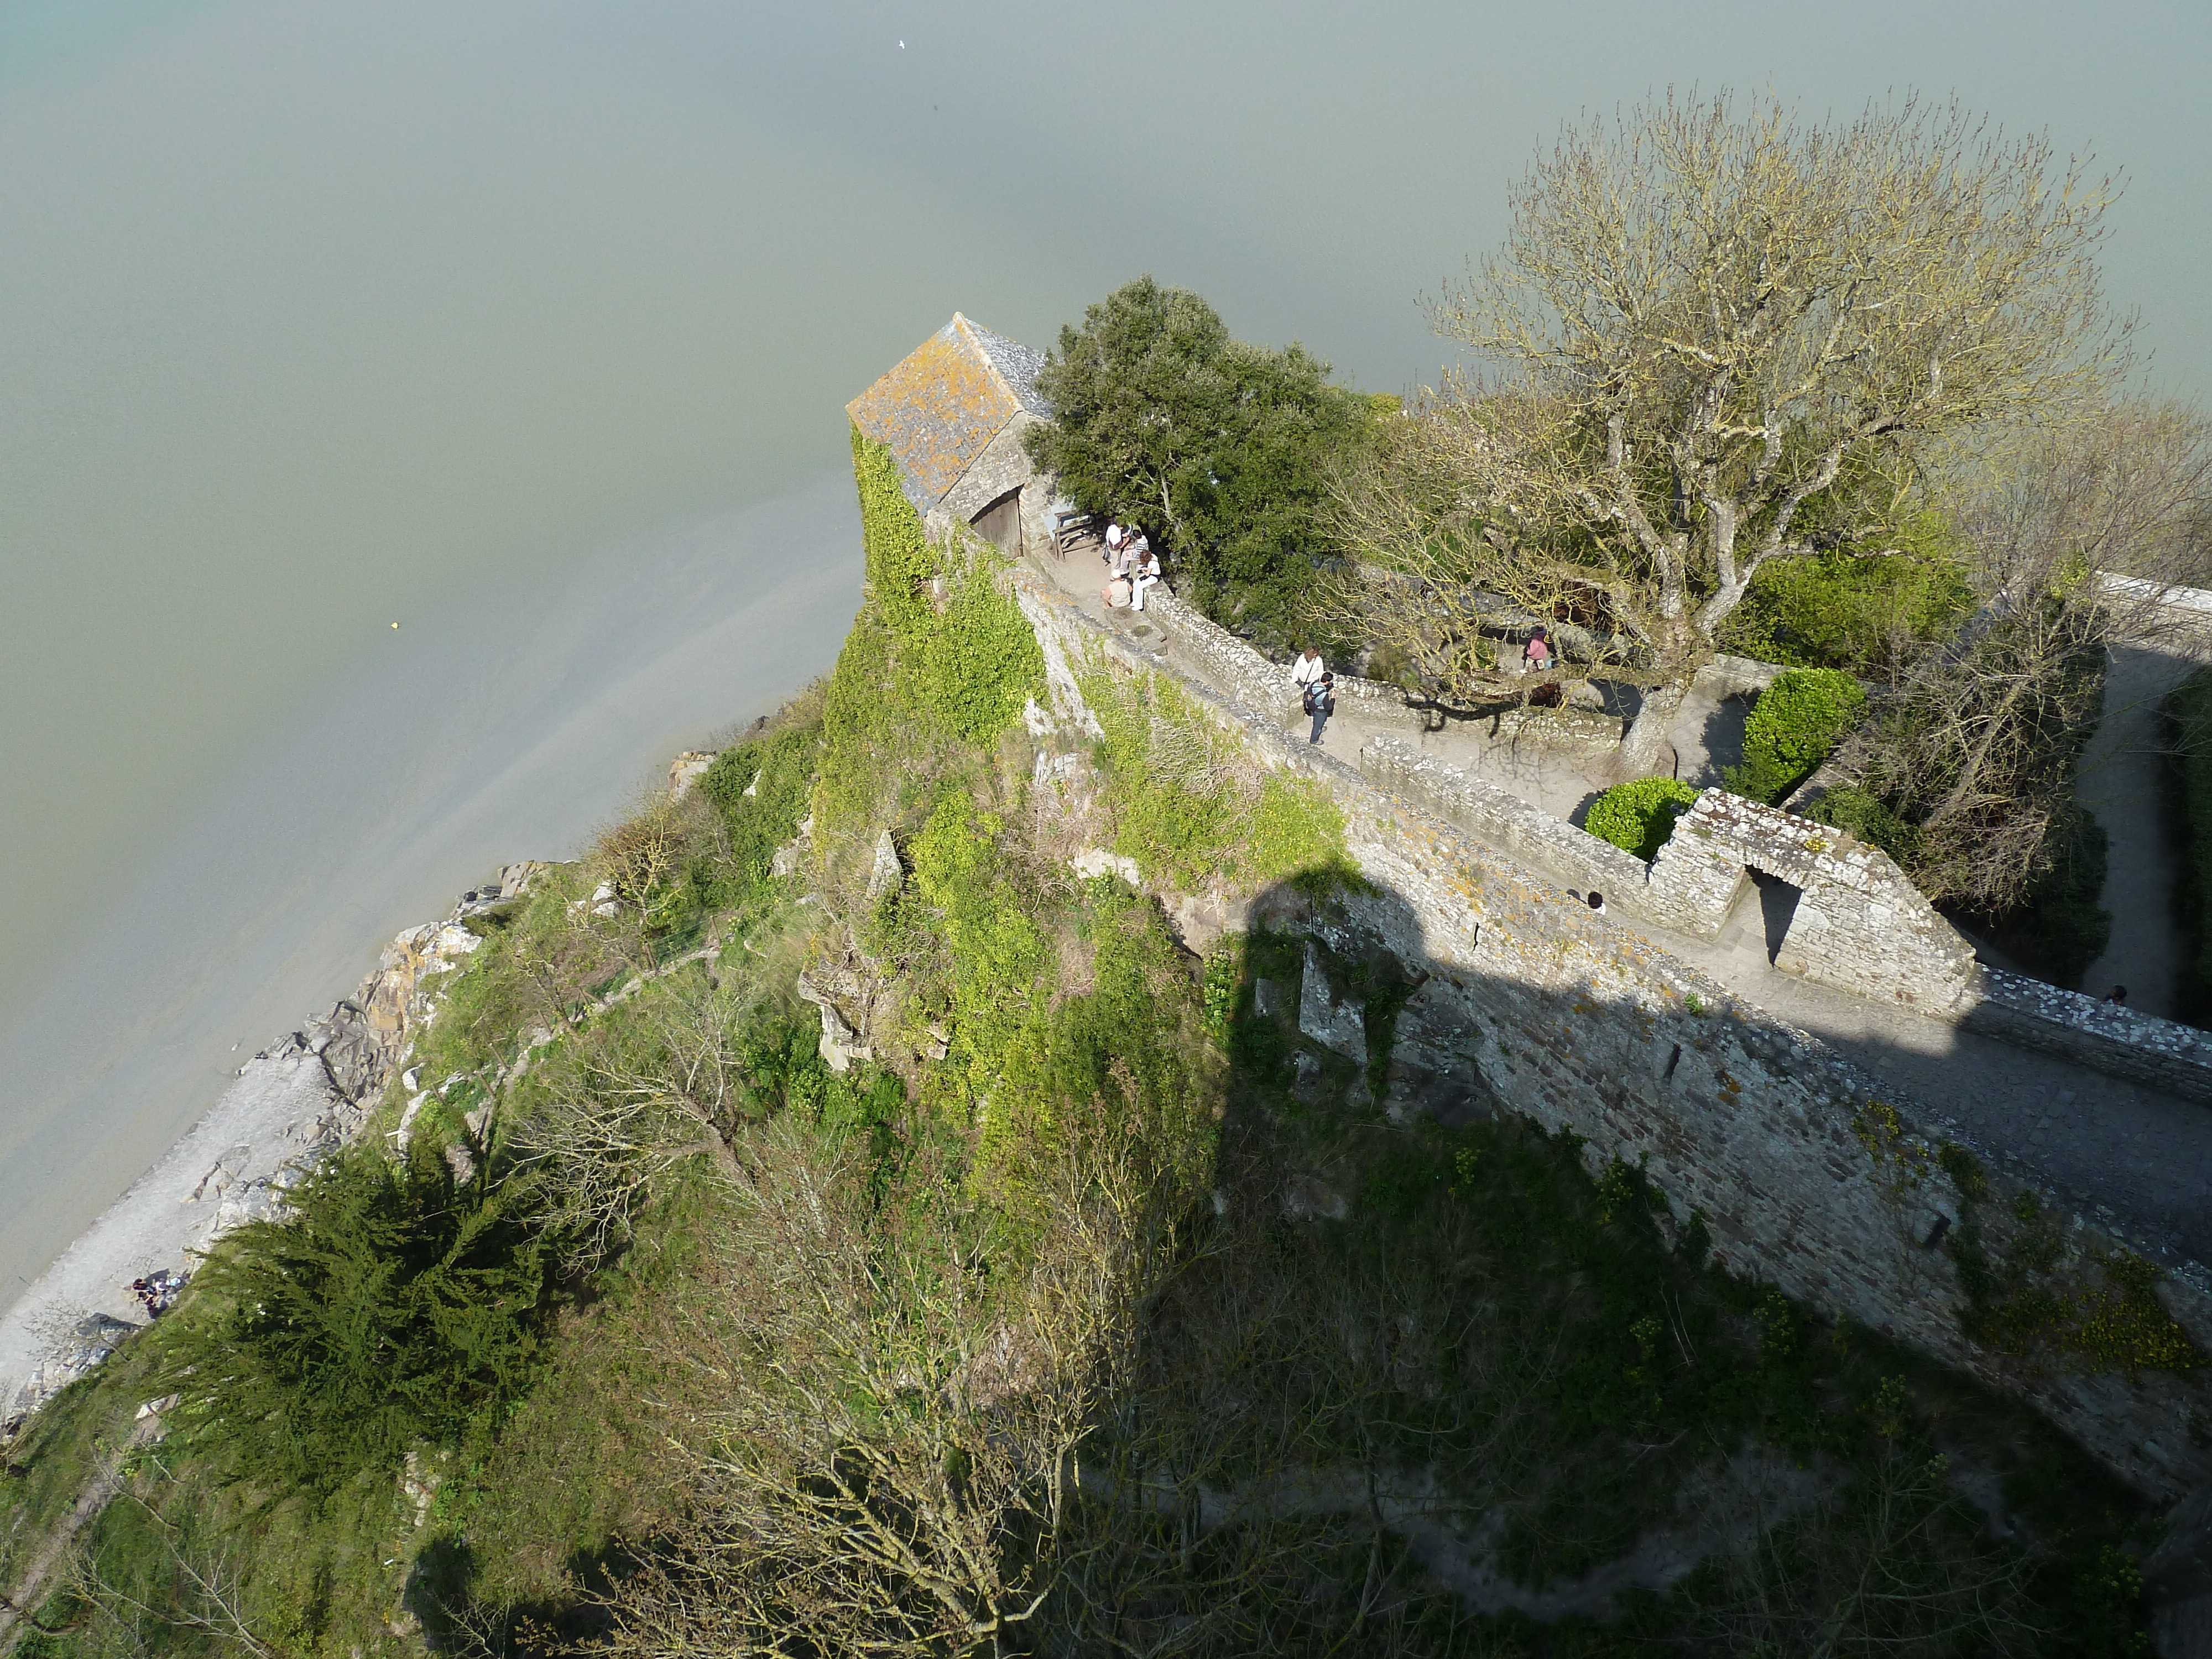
column 1536, row 655
column 1144, row 570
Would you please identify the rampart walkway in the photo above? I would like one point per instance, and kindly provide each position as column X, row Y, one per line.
column 2139, row 1160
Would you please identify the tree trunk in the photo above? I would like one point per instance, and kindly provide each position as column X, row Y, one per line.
column 1647, row 750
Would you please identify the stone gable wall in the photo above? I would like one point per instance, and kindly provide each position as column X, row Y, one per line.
column 1860, row 924
column 1574, row 1019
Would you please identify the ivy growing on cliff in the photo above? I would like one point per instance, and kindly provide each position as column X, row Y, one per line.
column 1191, row 803
column 940, row 652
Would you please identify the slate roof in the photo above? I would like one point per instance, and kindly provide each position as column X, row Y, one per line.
column 942, row 406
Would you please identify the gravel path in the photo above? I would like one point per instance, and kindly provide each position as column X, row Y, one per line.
column 2122, row 784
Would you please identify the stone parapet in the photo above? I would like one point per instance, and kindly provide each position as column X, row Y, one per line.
column 1859, row 925
column 2118, row 1042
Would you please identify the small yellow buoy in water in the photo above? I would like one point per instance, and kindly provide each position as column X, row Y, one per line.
column 395, row 624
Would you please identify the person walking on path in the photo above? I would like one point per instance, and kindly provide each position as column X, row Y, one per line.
column 1316, row 685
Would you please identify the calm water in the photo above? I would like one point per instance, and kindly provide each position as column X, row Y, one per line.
column 529, row 328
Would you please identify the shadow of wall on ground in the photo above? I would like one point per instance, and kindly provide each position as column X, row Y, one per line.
column 1790, row 1162
column 1424, row 1308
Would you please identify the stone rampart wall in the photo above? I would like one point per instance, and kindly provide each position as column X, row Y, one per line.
column 1575, row 1020
column 2117, row 1041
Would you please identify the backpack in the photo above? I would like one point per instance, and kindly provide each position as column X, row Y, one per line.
column 1320, row 696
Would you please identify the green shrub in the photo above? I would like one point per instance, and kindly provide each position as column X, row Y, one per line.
column 1638, row 817
column 1191, row 805
column 392, row 1305
column 1798, row 722
column 778, row 769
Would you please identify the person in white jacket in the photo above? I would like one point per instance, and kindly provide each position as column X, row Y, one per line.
column 1144, row 570
column 1311, row 675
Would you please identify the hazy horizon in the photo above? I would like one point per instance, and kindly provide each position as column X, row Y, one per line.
column 529, row 328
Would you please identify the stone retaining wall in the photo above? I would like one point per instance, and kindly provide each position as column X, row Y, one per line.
column 1576, row 1020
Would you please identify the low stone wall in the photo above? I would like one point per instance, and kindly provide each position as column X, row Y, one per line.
column 1578, row 1022
column 1573, row 858
column 2118, row 1042
column 1859, row 925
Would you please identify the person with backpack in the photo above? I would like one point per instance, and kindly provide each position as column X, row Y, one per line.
column 1316, row 686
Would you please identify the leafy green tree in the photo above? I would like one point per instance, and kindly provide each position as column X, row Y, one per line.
column 1220, row 448
column 1863, row 609
column 393, row 1302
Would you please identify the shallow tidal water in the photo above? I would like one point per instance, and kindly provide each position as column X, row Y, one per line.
column 530, row 327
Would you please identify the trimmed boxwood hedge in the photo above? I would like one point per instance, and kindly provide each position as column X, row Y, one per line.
column 1638, row 817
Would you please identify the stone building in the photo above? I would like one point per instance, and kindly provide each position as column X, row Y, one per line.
column 952, row 414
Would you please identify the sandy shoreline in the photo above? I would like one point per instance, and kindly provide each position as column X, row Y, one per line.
column 290, row 1107
column 279, row 1110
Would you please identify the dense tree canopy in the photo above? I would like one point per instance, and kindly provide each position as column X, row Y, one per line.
column 1218, row 448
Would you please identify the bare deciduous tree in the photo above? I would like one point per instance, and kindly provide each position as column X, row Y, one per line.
column 1973, row 743
column 901, row 1431
column 632, row 1104
column 205, row 1594
column 1717, row 329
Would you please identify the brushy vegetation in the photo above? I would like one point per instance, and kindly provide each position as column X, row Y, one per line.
column 1031, row 1334
column 1191, row 808
column 1795, row 727
column 1639, row 816
column 1858, row 609
column 1865, row 815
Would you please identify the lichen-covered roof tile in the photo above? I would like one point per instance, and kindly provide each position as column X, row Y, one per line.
column 939, row 409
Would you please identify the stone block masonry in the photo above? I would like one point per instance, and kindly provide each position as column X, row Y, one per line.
column 1859, row 925
column 1576, row 1020
column 2102, row 1035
